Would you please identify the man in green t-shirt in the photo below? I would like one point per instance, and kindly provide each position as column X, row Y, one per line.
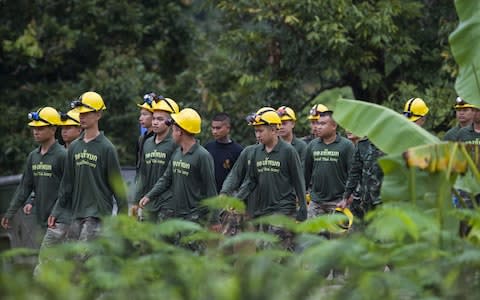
column 327, row 162
column 288, row 117
column 470, row 135
column 464, row 113
column 92, row 174
column 190, row 172
column 276, row 173
column 156, row 154
column 43, row 171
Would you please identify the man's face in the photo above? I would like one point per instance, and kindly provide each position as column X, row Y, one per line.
column 89, row 119
column 465, row 115
column 286, row 128
column 265, row 134
column 176, row 134
column 158, row 122
column 325, row 127
column 145, row 118
column 476, row 116
column 42, row 134
column 70, row 132
column 420, row 122
column 313, row 127
column 220, row 129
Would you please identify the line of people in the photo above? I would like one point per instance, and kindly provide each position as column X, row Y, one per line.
column 77, row 185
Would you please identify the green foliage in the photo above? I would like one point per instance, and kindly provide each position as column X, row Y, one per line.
column 466, row 54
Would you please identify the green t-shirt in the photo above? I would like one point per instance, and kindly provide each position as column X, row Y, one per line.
column 92, row 177
column 42, row 175
column 277, row 176
column 326, row 168
column 155, row 159
column 301, row 148
column 191, row 178
column 236, row 176
column 451, row 134
column 468, row 135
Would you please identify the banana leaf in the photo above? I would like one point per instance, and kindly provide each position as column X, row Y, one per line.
column 466, row 50
column 390, row 131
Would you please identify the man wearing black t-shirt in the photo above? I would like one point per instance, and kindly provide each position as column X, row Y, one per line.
column 224, row 151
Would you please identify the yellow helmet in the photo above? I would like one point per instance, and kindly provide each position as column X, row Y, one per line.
column 286, row 113
column 264, row 116
column 460, row 103
column 317, row 110
column 167, row 105
column 87, row 102
column 188, row 119
column 415, row 108
column 45, row 116
column 72, row 117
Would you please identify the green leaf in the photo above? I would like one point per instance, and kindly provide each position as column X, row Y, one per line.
column 390, row 131
column 466, row 51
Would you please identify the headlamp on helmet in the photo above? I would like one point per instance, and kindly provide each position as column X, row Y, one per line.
column 319, row 110
column 460, row 103
column 286, row 113
column 264, row 116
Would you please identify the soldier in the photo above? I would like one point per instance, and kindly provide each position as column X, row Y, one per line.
column 92, row 174
column 416, row 111
column 43, row 171
column 327, row 162
column 156, row 154
column 464, row 113
column 365, row 174
column 288, row 117
column 276, row 172
column 190, row 173
column 223, row 149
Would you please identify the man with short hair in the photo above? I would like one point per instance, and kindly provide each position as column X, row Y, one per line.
column 275, row 173
column 288, row 117
column 190, row 172
column 327, row 162
column 43, row 170
column 92, row 174
column 223, row 149
column 464, row 113
column 156, row 154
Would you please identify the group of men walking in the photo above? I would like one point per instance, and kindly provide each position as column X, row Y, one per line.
column 76, row 185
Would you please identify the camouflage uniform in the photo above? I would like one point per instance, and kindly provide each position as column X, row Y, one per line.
column 364, row 178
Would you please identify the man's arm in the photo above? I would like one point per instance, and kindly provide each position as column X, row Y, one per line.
column 297, row 177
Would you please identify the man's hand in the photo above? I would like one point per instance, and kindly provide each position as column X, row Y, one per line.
column 216, row 227
column 144, row 201
column 345, row 202
column 27, row 209
column 5, row 223
column 51, row 221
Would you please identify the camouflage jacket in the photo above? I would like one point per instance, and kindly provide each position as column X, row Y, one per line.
column 364, row 178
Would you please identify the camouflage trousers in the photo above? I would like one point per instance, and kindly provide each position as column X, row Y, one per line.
column 157, row 216
column 85, row 229
column 321, row 208
column 232, row 222
column 286, row 237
